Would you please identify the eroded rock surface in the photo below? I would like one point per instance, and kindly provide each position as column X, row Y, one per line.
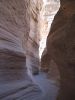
column 50, row 67
column 48, row 12
column 15, row 84
column 60, row 47
column 34, row 37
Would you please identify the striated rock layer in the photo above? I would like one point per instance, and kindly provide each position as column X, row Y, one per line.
column 34, row 36
column 15, row 84
column 61, row 47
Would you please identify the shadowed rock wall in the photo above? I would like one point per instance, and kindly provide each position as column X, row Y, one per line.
column 49, row 9
column 60, row 48
column 49, row 66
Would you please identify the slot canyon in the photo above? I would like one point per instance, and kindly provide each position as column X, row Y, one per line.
column 37, row 50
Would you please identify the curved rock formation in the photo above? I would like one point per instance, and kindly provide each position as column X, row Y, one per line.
column 50, row 8
column 15, row 84
column 61, row 47
column 34, row 36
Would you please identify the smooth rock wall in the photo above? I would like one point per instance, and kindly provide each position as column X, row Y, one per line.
column 50, row 67
column 48, row 12
column 60, row 48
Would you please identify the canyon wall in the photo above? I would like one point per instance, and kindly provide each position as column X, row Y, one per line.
column 34, row 37
column 15, row 84
column 48, row 12
column 60, row 48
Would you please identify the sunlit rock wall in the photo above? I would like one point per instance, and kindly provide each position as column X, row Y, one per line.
column 34, row 37
column 15, row 84
column 49, row 10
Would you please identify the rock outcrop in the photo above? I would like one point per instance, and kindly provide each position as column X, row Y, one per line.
column 61, row 47
column 15, row 84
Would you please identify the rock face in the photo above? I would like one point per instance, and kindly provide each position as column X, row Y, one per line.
column 50, row 67
column 49, row 9
column 61, row 48
column 15, row 84
column 34, row 36
column 45, row 61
